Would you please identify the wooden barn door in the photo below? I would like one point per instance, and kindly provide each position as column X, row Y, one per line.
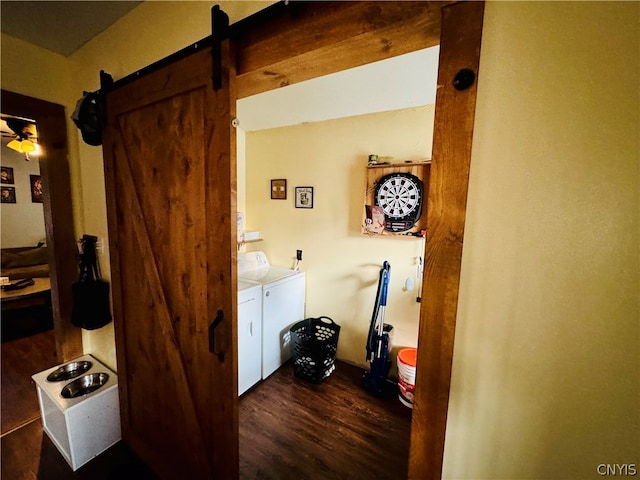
column 170, row 177
column 171, row 180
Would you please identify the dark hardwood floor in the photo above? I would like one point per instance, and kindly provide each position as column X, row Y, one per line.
column 29, row 454
column 289, row 429
column 293, row 429
column 28, row 347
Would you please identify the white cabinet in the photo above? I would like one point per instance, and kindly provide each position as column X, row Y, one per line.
column 249, row 336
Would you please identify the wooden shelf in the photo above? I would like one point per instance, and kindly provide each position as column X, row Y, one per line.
column 400, row 164
column 244, row 242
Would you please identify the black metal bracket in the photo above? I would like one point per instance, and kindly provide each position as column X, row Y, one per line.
column 212, row 335
column 106, row 82
column 219, row 31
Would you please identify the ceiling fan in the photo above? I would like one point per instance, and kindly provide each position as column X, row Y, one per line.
column 23, row 134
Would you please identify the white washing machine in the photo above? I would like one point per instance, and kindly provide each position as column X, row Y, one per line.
column 283, row 300
column 249, row 335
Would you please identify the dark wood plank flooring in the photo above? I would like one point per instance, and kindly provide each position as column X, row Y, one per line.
column 294, row 429
column 28, row 347
column 289, row 429
column 29, row 454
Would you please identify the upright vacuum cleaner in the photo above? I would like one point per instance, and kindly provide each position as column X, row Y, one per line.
column 378, row 342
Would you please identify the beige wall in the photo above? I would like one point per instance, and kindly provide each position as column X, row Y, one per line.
column 546, row 362
column 42, row 74
column 22, row 223
column 341, row 264
column 35, row 71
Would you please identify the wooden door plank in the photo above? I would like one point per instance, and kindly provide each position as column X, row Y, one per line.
column 148, row 294
column 222, row 294
column 453, row 132
column 110, row 148
column 162, row 83
column 176, row 130
column 168, row 334
column 319, row 38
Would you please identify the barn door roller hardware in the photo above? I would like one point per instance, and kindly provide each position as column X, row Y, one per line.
column 219, row 31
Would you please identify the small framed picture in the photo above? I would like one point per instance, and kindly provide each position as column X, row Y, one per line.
column 6, row 175
column 279, row 189
column 36, row 188
column 7, row 194
column 304, row 197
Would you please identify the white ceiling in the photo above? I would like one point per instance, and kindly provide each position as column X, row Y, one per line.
column 59, row 26
column 404, row 81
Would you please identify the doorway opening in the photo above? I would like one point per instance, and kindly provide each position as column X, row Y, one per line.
column 58, row 234
column 28, row 342
column 323, row 139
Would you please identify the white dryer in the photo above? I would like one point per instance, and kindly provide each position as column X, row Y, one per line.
column 249, row 335
column 283, row 301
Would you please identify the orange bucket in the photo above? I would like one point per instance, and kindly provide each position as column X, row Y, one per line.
column 407, row 360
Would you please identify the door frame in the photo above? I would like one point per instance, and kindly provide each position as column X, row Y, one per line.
column 287, row 44
column 58, row 212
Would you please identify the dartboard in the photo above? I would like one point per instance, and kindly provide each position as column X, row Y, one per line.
column 400, row 196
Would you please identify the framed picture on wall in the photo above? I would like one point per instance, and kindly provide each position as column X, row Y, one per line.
column 6, row 175
column 279, row 189
column 7, row 194
column 36, row 188
column 304, row 197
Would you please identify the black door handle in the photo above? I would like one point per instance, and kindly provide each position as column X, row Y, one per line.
column 212, row 335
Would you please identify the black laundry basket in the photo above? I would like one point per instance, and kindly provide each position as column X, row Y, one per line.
column 315, row 342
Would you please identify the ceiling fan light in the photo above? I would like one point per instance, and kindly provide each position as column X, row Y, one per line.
column 30, row 130
column 16, row 145
column 28, row 146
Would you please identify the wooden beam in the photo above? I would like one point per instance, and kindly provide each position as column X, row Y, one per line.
column 447, row 203
column 311, row 39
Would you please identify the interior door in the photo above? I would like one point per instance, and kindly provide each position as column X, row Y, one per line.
column 171, row 181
